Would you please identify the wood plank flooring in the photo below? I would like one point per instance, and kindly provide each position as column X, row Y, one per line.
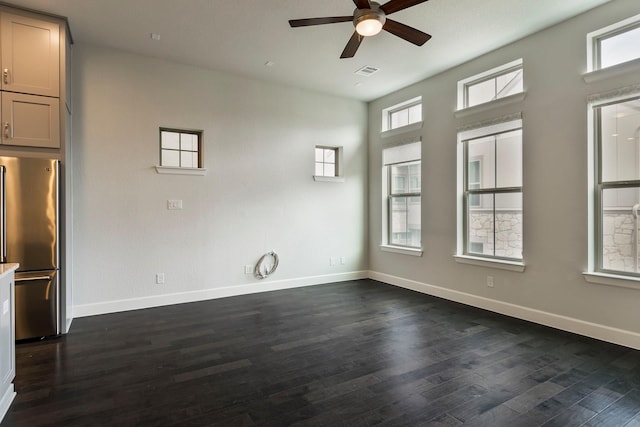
column 357, row 353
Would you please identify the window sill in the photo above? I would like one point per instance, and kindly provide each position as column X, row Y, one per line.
column 328, row 178
column 629, row 67
column 507, row 100
column 180, row 171
column 401, row 130
column 401, row 250
column 612, row 280
column 491, row 263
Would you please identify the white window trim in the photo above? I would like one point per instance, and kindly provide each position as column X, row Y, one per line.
column 339, row 166
column 591, row 275
column 385, row 128
column 494, row 72
column 476, row 130
column 173, row 170
column 594, row 36
column 629, row 67
column 385, row 246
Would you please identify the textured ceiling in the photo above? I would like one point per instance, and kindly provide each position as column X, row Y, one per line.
column 241, row 36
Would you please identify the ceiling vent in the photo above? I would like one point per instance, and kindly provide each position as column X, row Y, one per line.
column 367, row 70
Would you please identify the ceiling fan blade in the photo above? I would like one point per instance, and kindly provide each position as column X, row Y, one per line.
column 362, row 4
column 406, row 32
column 319, row 21
column 397, row 5
column 352, row 46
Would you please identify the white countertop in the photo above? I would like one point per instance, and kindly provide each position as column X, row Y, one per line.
column 8, row 268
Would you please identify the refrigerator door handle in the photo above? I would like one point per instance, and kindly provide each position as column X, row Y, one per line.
column 31, row 279
column 3, row 216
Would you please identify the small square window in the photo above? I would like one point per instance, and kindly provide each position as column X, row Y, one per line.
column 327, row 161
column 180, row 148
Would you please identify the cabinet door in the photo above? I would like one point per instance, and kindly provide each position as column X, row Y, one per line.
column 30, row 55
column 7, row 334
column 29, row 120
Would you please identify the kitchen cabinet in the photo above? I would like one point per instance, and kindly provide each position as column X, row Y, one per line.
column 30, row 55
column 30, row 120
column 7, row 337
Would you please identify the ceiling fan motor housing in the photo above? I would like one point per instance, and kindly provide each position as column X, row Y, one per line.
column 374, row 14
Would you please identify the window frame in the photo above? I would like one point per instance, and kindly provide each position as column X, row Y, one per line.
column 494, row 73
column 197, row 133
column 407, row 195
column 487, row 128
column 335, row 163
column 387, row 114
column 595, row 38
column 339, row 164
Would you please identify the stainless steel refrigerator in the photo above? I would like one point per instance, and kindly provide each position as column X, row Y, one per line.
column 29, row 211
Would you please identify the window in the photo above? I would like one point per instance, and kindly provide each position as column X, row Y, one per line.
column 615, row 44
column 403, row 114
column 180, row 148
column 491, row 201
column 491, row 85
column 617, row 186
column 326, row 161
column 402, row 169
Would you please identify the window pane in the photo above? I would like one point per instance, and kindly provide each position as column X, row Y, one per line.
column 399, row 178
column 619, row 230
column 329, row 169
column 509, row 159
column 188, row 142
column 620, row 141
column 170, row 140
column 399, row 118
column 508, row 225
column 509, row 84
column 319, row 169
column 415, row 114
column 188, row 159
column 480, row 93
column 483, row 150
column 480, row 226
column 620, row 48
column 329, row 155
column 405, row 221
column 170, row 158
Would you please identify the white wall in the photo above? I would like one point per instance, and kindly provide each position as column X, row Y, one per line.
column 258, row 194
column 552, row 289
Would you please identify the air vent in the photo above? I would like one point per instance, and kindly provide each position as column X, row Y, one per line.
column 367, row 70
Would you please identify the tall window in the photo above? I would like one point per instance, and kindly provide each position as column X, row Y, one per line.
column 402, row 167
column 180, row 148
column 492, row 191
column 402, row 114
column 491, row 85
column 615, row 44
column 617, row 192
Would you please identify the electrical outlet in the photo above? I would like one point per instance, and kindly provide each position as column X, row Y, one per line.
column 160, row 278
column 343, row 260
column 174, row 204
column 333, row 261
column 248, row 269
column 490, row 281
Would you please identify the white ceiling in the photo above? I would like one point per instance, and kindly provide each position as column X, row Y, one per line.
column 240, row 36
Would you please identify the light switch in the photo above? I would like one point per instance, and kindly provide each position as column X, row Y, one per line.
column 174, row 204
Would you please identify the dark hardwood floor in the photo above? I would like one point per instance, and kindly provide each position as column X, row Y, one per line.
column 357, row 353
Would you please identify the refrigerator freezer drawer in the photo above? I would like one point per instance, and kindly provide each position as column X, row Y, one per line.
column 36, row 305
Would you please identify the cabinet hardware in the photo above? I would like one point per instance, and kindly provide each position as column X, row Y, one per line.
column 6, row 130
column 5, row 76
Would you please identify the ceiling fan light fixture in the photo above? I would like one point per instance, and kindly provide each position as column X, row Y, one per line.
column 369, row 22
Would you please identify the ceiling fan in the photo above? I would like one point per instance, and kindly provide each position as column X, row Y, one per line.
column 370, row 18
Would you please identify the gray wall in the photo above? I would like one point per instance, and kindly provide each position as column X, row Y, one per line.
column 555, row 185
column 258, row 194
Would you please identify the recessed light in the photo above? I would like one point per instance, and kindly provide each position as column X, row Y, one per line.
column 155, row 36
column 269, row 64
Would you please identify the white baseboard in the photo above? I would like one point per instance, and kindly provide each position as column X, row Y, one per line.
column 116, row 306
column 569, row 324
column 5, row 401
